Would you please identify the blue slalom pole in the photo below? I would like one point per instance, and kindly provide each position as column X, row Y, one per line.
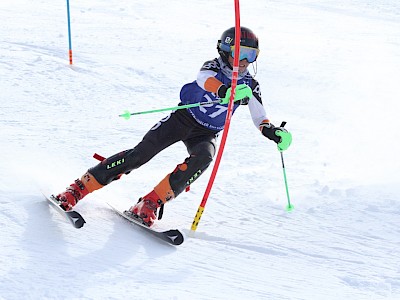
column 69, row 35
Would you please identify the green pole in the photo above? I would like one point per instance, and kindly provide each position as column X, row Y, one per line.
column 289, row 207
column 126, row 115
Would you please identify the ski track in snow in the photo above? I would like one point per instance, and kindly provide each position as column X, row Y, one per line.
column 329, row 68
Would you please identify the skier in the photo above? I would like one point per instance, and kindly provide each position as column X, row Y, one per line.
column 196, row 127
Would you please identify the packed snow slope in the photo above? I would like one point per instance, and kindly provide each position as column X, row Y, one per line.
column 329, row 68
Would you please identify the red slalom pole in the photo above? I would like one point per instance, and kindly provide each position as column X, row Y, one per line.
column 235, row 73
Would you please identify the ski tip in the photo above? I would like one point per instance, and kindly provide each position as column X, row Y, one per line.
column 76, row 219
column 176, row 237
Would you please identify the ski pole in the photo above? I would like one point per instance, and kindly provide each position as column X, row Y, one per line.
column 289, row 207
column 126, row 115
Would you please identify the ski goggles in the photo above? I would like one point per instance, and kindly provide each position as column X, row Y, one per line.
column 246, row 53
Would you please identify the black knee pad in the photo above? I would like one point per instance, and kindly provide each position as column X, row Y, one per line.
column 187, row 172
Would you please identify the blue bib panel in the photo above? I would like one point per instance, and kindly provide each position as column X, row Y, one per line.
column 211, row 116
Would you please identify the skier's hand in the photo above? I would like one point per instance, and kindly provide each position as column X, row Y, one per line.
column 242, row 92
column 286, row 138
column 277, row 134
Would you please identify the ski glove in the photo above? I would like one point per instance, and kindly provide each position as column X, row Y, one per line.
column 243, row 93
column 278, row 134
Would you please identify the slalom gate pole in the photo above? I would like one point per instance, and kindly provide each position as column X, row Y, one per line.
column 69, row 35
column 235, row 72
column 126, row 115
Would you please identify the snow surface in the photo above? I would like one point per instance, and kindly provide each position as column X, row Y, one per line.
column 329, row 68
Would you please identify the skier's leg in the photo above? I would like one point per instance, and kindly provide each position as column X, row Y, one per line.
column 202, row 150
column 160, row 136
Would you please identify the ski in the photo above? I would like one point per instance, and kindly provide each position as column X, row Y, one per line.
column 72, row 216
column 172, row 236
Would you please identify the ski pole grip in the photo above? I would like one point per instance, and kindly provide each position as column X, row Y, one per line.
column 283, row 124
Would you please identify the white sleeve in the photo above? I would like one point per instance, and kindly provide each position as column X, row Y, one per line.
column 203, row 75
column 257, row 111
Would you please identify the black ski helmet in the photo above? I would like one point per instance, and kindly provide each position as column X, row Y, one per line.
column 247, row 38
